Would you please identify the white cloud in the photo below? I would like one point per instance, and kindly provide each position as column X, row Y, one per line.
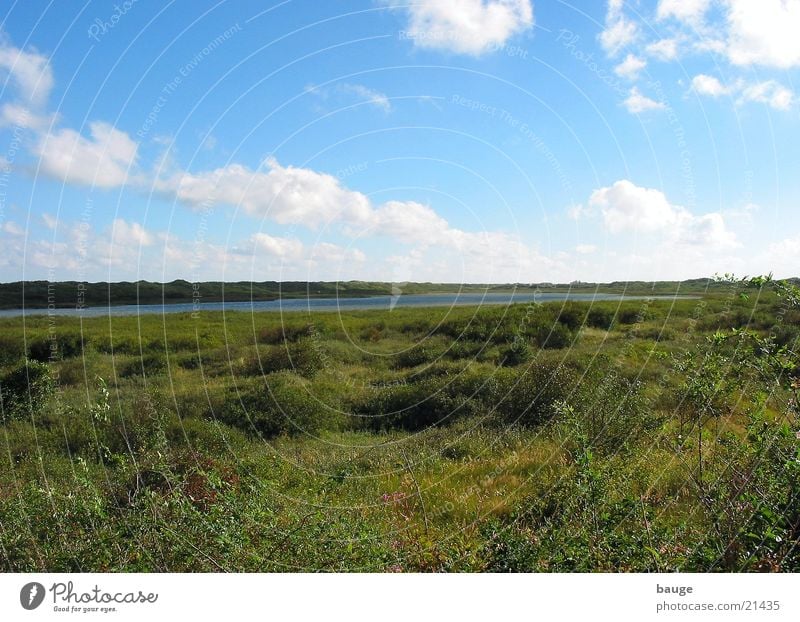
column 769, row 92
column 16, row 115
column 585, row 249
column 709, row 85
column 619, row 31
column 764, row 32
column 285, row 194
column 690, row 11
column 103, row 160
column 465, row 26
column 637, row 103
column 12, row 228
column 364, row 93
column 663, row 49
column 290, row 195
column 630, row 67
column 284, row 248
column 48, row 221
column 409, row 221
column 129, row 251
column 29, row 71
column 627, row 208
column 125, row 233
column 706, row 230
column 376, row 98
column 327, row 253
column 576, row 212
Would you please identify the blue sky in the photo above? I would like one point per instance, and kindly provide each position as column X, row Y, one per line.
column 441, row 140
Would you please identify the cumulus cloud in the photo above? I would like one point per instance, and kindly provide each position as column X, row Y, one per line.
column 630, row 67
column 627, row 208
column 12, row 228
column 327, row 253
column 17, row 115
column 285, row 194
column 285, row 248
column 29, row 71
column 619, row 31
column 703, row 84
column 125, row 234
column 637, row 102
column 465, row 26
column 663, row 49
column 302, row 196
column 764, row 32
column 103, row 160
column 576, row 212
column 408, row 220
column 49, row 221
column 691, row 11
column 127, row 250
column 768, row 92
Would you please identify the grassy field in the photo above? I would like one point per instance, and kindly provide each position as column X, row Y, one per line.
column 634, row 436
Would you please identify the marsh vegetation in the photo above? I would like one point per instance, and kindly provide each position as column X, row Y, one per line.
column 627, row 436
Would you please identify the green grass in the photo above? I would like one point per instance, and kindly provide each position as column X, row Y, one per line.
column 557, row 437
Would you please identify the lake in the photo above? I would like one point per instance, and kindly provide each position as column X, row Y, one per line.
column 335, row 304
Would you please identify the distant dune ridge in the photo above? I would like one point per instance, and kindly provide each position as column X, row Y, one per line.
column 70, row 294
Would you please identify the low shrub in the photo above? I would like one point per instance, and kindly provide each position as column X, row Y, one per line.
column 303, row 357
column 600, row 318
column 517, row 353
column 441, row 395
column 530, row 398
column 148, row 365
column 60, row 346
column 571, row 316
column 466, row 349
column 12, row 349
column 25, row 389
column 281, row 405
column 283, row 333
column 553, row 336
column 419, row 354
column 630, row 316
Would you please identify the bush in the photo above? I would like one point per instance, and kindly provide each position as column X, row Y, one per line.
column 282, row 406
column 11, row 349
column 465, row 349
column 630, row 316
column 61, row 346
column 149, row 365
column 554, row 336
column 600, row 318
column 303, row 357
column 531, row 398
column 571, row 317
column 25, row 389
column 518, row 353
column 285, row 333
column 611, row 411
column 443, row 394
column 417, row 355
